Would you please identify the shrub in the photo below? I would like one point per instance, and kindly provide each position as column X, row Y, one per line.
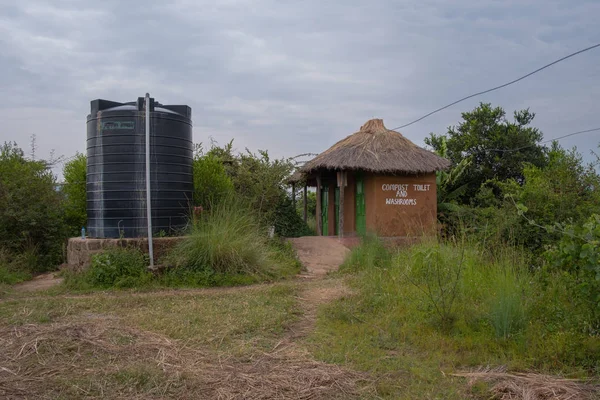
column 577, row 254
column 287, row 221
column 15, row 269
column 119, row 267
column 211, row 182
column 30, row 209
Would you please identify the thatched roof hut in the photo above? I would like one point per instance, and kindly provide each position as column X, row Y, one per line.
column 375, row 148
column 374, row 180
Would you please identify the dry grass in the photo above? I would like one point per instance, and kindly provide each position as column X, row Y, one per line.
column 377, row 149
column 221, row 344
column 98, row 356
column 530, row 386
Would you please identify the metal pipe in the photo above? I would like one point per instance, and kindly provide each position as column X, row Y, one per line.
column 148, row 192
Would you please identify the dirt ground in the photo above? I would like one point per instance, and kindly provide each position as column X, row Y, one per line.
column 40, row 282
column 319, row 254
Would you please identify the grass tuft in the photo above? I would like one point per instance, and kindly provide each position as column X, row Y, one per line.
column 229, row 240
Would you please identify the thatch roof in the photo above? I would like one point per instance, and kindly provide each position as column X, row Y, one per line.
column 296, row 177
column 377, row 149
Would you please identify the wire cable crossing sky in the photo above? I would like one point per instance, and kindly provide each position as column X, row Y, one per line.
column 499, row 87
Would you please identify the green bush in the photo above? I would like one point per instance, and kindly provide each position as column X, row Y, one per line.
column 258, row 180
column 228, row 239
column 31, row 217
column 287, row 221
column 211, row 182
column 120, row 268
column 16, row 269
column 577, row 255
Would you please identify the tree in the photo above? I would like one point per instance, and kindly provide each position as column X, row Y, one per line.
column 74, row 173
column 31, row 218
column 498, row 148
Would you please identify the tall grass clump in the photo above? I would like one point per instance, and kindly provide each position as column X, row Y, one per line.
column 370, row 253
column 506, row 303
column 436, row 270
column 229, row 240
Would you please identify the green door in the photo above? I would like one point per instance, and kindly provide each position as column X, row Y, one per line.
column 324, row 211
column 337, row 210
column 361, row 215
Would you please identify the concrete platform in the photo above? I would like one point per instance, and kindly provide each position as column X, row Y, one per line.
column 80, row 251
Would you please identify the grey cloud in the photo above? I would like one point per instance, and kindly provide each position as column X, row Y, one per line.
column 293, row 76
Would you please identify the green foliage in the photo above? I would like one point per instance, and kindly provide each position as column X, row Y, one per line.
column 257, row 180
column 578, row 255
column 15, row 269
column 481, row 137
column 311, row 203
column 30, row 209
column 74, row 190
column 119, row 267
column 287, row 221
column 228, row 239
column 211, row 182
column 507, row 311
column 436, row 271
column 503, row 315
column 371, row 253
column 565, row 191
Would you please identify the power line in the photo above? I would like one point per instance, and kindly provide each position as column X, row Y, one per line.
column 546, row 141
column 499, row 87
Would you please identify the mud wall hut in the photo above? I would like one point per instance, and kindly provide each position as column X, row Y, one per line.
column 374, row 180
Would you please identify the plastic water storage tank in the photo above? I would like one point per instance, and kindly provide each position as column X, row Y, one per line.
column 116, row 168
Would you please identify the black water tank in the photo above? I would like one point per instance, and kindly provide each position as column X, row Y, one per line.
column 116, row 168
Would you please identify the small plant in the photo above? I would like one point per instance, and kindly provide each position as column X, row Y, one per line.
column 507, row 312
column 436, row 272
column 120, row 267
column 371, row 253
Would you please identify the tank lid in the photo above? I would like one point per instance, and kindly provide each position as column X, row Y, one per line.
column 139, row 105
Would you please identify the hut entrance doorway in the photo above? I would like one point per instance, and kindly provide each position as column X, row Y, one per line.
column 361, row 214
column 337, row 210
column 324, row 210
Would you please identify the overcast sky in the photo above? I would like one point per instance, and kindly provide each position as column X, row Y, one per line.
column 295, row 76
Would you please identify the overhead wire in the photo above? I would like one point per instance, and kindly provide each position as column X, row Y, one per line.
column 546, row 141
column 500, row 86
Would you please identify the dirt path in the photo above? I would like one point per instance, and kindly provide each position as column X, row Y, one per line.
column 40, row 282
column 319, row 254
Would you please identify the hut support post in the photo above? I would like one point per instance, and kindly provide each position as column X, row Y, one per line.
column 318, row 211
column 342, row 184
column 294, row 195
column 305, row 201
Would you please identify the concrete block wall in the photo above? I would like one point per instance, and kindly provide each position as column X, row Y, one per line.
column 80, row 251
